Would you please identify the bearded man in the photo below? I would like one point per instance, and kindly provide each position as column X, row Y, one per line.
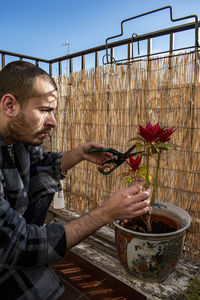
column 29, row 177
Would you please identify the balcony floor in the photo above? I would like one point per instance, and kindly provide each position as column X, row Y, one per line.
column 84, row 281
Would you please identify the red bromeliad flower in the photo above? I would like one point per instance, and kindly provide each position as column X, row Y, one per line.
column 150, row 133
column 155, row 133
column 134, row 163
column 164, row 136
column 153, row 140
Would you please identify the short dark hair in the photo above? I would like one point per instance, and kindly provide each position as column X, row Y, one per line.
column 18, row 77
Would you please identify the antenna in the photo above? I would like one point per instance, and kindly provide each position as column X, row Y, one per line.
column 66, row 44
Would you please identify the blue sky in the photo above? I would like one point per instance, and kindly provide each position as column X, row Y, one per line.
column 39, row 28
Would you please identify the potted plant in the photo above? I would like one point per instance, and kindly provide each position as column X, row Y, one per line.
column 149, row 247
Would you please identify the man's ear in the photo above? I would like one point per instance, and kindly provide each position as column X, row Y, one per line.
column 10, row 106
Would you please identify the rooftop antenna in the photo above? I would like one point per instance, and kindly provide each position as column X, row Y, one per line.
column 66, row 44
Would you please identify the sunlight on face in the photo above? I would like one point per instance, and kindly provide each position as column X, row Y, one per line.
column 36, row 117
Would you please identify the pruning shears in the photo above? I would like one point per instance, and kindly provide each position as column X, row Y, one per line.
column 121, row 157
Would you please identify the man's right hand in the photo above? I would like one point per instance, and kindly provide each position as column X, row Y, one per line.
column 128, row 203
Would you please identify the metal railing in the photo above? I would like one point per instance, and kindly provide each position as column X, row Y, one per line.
column 149, row 38
column 109, row 47
column 4, row 54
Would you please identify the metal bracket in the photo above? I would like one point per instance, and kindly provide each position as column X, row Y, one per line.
column 110, row 59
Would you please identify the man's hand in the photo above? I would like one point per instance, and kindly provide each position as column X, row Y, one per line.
column 128, row 203
column 95, row 157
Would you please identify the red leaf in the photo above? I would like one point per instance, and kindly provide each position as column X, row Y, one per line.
column 134, row 163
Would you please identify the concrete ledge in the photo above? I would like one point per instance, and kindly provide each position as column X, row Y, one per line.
column 99, row 250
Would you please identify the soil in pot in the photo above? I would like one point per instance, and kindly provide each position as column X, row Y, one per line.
column 159, row 224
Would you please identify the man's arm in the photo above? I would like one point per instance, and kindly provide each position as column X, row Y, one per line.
column 124, row 204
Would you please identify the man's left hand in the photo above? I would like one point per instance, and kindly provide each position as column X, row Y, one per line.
column 98, row 158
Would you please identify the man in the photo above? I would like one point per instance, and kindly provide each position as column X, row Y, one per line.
column 29, row 177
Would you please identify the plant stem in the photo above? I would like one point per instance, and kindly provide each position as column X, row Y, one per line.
column 146, row 218
column 147, row 167
column 156, row 178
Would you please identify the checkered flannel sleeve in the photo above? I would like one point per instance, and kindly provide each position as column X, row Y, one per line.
column 25, row 246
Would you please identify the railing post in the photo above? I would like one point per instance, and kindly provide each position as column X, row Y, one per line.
column 148, row 81
column 83, row 62
column 37, row 63
column 50, row 69
column 130, row 50
column 149, row 47
column 96, row 59
column 70, row 65
column 171, row 48
column 197, row 36
column 112, row 54
column 60, row 68
column 171, row 43
column 70, row 72
column 2, row 60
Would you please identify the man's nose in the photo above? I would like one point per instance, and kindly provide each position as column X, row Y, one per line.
column 51, row 120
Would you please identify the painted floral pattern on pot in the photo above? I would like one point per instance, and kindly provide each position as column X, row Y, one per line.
column 156, row 259
column 151, row 260
column 122, row 241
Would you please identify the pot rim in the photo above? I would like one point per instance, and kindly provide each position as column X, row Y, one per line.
column 183, row 228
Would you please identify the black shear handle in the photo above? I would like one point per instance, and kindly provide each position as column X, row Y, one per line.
column 117, row 161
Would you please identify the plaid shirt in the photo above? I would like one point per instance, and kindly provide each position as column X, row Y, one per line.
column 27, row 250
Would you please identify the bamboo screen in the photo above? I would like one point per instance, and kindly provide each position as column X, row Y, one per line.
column 107, row 105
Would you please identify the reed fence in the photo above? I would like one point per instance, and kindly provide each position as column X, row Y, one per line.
column 107, row 104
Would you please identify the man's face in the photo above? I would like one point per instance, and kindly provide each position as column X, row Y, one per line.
column 36, row 117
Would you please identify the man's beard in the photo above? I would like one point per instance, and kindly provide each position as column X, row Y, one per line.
column 18, row 130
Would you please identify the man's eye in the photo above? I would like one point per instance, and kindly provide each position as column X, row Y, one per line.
column 48, row 111
column 43, row 110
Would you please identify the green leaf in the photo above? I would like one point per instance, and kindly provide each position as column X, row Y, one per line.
column 163, row 146
column 174, row 146
column 142, row 171
column 160, row 144
column 139, row 145
column 168, row 145
column 153, row 149
column 128, row 180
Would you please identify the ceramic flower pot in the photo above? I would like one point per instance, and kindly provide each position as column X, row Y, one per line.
column 152, row 257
